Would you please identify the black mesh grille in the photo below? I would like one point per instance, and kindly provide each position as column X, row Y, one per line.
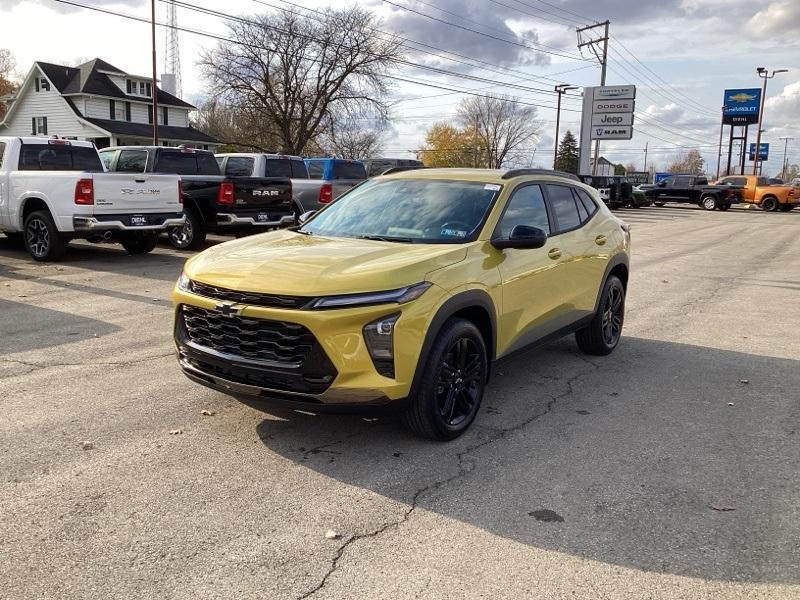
column 256, row 339
column 251, row 298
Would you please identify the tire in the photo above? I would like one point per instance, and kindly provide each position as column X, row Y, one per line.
column 708, row 202
column 139, row 242
column 192, row 235
column 769, row 204
column 452, row 383
column 724, row 207
column 603, row 333
column 659, row 203
column 42, row 239
column 783, row 208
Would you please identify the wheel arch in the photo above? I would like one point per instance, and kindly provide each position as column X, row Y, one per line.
column 32, row 204
column 618, row 265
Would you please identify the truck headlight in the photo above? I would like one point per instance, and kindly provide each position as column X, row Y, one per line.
column 379, row 337
column 184, row 283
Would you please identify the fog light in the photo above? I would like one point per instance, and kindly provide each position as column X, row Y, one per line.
column 379, row 336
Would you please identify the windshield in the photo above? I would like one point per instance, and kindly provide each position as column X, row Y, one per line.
column 408, row 210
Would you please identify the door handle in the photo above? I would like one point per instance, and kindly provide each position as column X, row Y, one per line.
column 554, row 253
column 600, row 240
column 140, row 180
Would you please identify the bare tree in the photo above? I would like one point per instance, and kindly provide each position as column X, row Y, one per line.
column 356, row 138
column 687, row 162
column 292, row 74
column 498, row 127
column 236, row 127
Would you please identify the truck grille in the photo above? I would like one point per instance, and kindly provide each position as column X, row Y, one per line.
column 251, row 298
column 280, row 342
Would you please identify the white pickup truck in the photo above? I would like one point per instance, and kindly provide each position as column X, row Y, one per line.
column 54, row 190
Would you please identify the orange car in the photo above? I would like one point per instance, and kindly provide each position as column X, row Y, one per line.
column 757, row 190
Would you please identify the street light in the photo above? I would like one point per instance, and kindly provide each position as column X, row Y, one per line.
column 763, row 73
column 560, row 89
column 719, row 148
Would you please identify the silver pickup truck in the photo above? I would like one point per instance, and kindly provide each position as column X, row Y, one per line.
column 312, row 187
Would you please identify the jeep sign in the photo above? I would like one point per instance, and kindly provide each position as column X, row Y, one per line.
column 612, row 119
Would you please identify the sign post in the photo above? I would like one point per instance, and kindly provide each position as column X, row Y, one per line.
column 607, row 115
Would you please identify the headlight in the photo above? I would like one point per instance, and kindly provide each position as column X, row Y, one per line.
column 183, row 283
column 400, row 296
column 379, row 336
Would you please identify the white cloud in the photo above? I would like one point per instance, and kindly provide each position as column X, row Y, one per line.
column 778, row 18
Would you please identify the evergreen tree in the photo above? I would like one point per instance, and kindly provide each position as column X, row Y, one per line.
column 568, row 154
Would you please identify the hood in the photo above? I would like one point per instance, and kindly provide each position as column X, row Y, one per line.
column 289, row 263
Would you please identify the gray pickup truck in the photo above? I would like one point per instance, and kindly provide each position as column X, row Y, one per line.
column 307, row 193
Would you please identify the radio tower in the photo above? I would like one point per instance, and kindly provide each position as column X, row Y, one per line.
column 172, row 56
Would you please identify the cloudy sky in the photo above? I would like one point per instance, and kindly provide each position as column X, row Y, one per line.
column 680, row 53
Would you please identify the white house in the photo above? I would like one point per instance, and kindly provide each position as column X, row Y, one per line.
column 100, row 103
column 604, row 166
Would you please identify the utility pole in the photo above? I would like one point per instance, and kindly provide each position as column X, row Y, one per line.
column 719, row 148
column 763, row 72
column 560, row 89
column 784, row 166
column 475, row 146
column 155, row 76
column 603, row 59
column 645, row 155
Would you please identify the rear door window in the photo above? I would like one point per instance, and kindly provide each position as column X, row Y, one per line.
column 348, row 169
column 239, row 166
column 132, row 161
column 316, row 169
column 586, row 200
column 564, row 208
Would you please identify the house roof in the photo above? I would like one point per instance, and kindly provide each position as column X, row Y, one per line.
column 90, row 78
column 167, row 132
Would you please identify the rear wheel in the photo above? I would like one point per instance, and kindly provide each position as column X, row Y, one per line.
column 42, row 239
column 602, row 334
column 139, row 242
column 769, row 204
column 452, row 384
column 786, row 207
column 708, row 202
column 191, row 235
column 724, row 206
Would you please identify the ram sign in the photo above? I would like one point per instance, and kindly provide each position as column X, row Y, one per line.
column 741, row 106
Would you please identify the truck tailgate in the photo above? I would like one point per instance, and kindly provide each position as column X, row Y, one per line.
column 266, row 194
column 124, row 193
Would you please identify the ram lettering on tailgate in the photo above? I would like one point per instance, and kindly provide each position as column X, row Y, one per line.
column 266, row 193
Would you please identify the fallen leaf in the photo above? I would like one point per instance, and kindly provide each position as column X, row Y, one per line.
column 665, row 281
column 175, row 431
column 744, row 381
column 546, row 515
column 721, row 508
column 332, row 535
column 207, row 413
column 87, row 445
column 730, row 403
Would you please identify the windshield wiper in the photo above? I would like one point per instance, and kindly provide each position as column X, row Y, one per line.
column 387, row 238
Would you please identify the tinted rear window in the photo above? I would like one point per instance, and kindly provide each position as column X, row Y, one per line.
column 564, row 207
column 346, row 169
column 587, row 202
column 299, row 170
column 177, row 162
column 278, row 167
column 207, row 164
column 239, row 166
column 316, row 169
column 59, row 157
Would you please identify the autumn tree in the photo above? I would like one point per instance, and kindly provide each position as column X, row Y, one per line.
column 791, row 172
column 567, row 159
column 289, row 73
column 687, row 162
column 447, row 146
column 499, row 127
column 619, row 169
column 7, row 83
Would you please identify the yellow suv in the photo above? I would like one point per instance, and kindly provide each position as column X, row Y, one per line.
column 403, row 292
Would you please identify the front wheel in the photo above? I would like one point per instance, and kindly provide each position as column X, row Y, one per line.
column 139, row 242
column 708, row 202
column 769, row 204
column 603, row 333
column 42, row 239
column 452, row 384
column 191, row 235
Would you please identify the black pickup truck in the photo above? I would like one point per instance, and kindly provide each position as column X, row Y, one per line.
column 693, row 189
column 212, row 202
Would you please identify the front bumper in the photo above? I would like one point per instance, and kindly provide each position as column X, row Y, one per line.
column 233, row 220
column 155, row 222
column 338, row 334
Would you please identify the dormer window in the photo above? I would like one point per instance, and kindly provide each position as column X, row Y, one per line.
column 137, row 88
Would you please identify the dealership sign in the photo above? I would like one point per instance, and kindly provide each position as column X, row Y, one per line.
column 607, row 115
column 741, row 106
column 763, row 152
column 612, row 119
column 615, row 92
column 612, row 106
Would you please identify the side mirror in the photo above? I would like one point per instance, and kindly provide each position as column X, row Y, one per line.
column 305, row 216
column 522, row 236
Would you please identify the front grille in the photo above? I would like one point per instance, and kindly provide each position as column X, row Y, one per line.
column 251, row 298
column 256, row 339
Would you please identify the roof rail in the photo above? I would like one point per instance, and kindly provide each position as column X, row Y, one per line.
column 517, row 172
column 391, row 170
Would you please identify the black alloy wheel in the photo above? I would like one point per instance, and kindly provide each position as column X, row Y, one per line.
column 613, row 314
column 459, row 385
column 769, row 204
column 42, row 239
column 601, row 336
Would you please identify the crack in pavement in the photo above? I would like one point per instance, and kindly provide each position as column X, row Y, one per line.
column 465, row 466
column 41, row 366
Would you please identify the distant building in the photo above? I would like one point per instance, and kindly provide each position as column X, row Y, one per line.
column 604, row 167
column 98, row 102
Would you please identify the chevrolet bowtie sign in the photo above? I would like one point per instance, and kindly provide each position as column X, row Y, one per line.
column 607, row 115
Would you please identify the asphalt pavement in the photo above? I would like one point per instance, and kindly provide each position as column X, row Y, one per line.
column 669, row 469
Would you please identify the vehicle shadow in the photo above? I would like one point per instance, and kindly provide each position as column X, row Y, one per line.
column 664, row 457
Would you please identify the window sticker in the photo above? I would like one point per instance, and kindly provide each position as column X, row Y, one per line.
column 458, row 233
column 492, row 187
